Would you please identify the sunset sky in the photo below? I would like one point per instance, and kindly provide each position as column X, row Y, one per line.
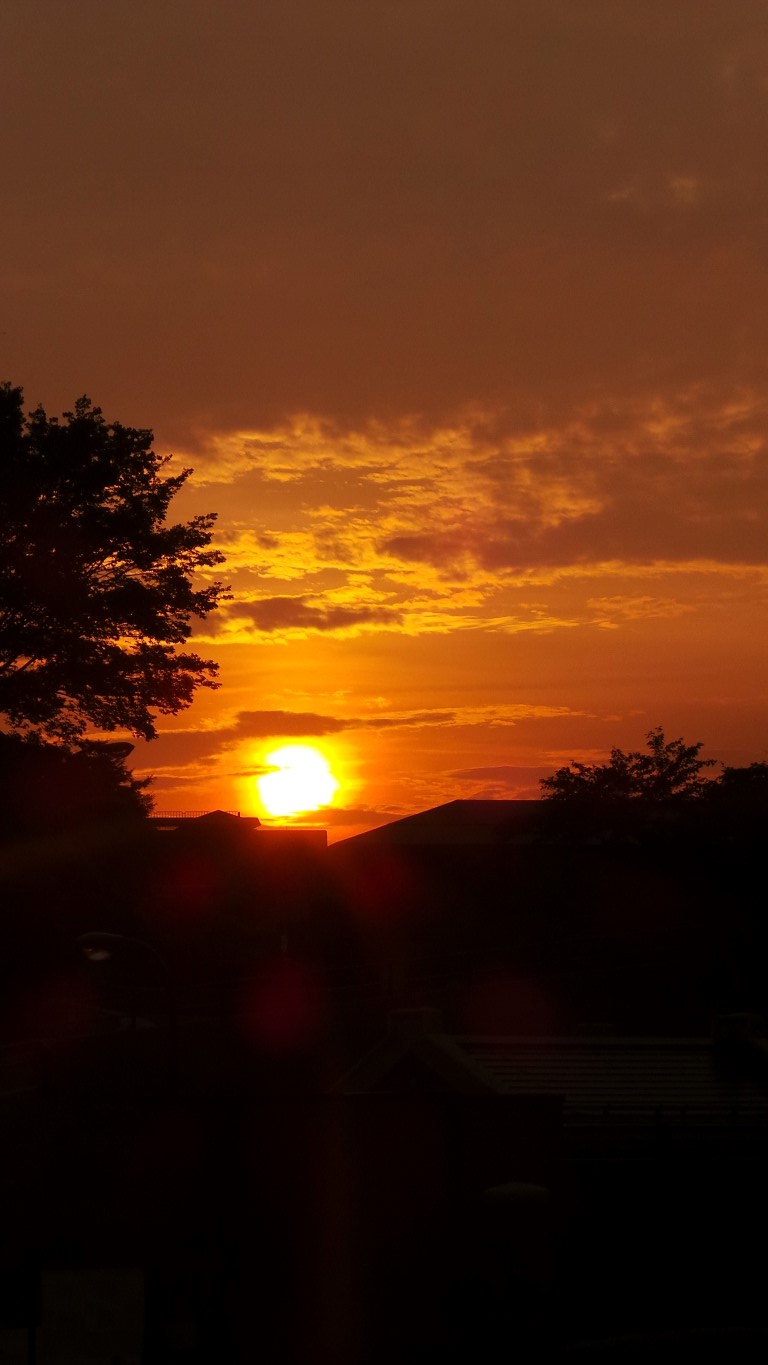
column 459, row 311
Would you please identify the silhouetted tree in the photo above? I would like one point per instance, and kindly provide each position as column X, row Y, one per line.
column 748, row 784
column 737, row 805
column 96, row 590
column 51, row 788
column 669, row 770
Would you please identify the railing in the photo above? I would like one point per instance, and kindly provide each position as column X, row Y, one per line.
column 186, row 814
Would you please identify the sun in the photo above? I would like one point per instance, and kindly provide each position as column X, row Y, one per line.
column 299, row 780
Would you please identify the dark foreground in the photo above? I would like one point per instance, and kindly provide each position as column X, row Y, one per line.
column 200, row 1217
column 443, row 1107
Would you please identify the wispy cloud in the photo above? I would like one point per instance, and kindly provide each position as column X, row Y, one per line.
column 500, row 781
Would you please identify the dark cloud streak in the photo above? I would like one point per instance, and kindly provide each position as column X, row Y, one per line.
column 292, row 613
column 194, row 745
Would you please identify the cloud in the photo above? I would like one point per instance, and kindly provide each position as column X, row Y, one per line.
column 335, row 817
column 609, row 610
column 407, row 208
column 682, row 480
column 294, row 613
column 506, row 774
column 173, row 748
column 407, row 719
column 402, row 526
column 492, row 527
column 501, row 782
column 187, row 746
column 457, row 308
column 269, row 724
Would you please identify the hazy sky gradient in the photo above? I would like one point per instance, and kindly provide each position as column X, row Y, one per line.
column 458, row 308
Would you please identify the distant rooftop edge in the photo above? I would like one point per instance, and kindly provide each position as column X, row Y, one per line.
column 189, row 814
column 221, row 820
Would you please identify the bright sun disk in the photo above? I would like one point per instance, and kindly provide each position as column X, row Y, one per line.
column 300, row 779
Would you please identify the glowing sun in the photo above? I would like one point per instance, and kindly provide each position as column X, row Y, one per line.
column 300, row 779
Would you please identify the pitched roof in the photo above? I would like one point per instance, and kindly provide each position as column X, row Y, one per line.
column 456, row 822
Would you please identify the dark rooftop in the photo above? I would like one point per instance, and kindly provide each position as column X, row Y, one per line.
column 456, row 822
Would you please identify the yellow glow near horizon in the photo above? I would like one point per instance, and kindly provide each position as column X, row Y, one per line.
column 299, row 780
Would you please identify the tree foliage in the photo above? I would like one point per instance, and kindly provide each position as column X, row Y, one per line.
column 669, row 770
column 53, row 788
column 96, row 589
column 738, row 803
column 745, row 783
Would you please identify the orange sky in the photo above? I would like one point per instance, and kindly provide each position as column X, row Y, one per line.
column 458, row 309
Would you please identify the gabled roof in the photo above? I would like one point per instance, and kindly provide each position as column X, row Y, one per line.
column 223, row 819
column 203, row 820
